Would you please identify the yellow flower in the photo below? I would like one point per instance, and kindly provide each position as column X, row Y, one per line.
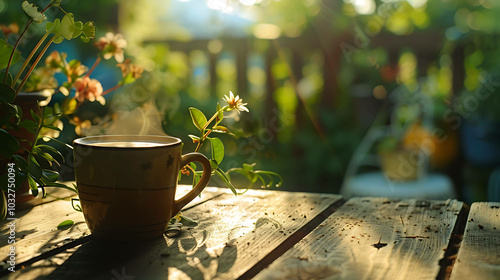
column 81, row 127
column 112, row 45
column 235, row 103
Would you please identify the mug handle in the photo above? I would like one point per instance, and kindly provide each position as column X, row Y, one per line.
column 205, row 177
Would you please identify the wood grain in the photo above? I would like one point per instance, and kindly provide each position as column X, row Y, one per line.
column 36, row 228
column 233, row 234
column 479, row 254
column 373, row 238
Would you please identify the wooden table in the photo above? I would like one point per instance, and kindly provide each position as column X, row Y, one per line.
column 270, row 235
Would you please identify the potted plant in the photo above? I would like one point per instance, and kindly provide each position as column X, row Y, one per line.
column 26, row 122
column 400, row 162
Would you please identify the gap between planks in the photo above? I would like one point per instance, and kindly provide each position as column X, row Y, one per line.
column 332, row 249
column 448, row 261
column 479, row 253
column 292, row 240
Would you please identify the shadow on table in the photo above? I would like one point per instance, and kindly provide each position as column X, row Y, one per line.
column 186, row 256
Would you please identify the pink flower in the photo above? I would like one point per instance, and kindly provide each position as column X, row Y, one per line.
column 130, row 71
column 75, row 69
column 87, row 88
column 112, row 45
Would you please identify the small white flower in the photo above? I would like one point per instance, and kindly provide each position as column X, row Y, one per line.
column 112, row 45
column 235, row 103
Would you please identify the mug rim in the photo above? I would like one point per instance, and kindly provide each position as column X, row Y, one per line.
column 161, row 140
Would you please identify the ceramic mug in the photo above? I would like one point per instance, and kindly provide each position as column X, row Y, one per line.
column 126, row 184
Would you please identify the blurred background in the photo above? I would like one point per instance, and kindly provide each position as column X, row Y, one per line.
column 330, row 85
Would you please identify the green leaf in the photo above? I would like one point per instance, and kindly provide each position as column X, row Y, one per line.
column 16, row 109
column 33, row 186
column 58, row 141
column 192, row 165
column 248, row 167
column 250, row 175
column 85, row 40
column 214, row 164
column 270, row 175
column 221, row 129
column 78, row 29
column 68, row 26
column 21, row 163
column 53, row 27
column 32, row 11
column 52, row 151
column 65, row 225
column 69, row 106
column 194, row 137
column 45, row 157
column 58, row 38
column 187, row 221
column 42, row 161
column 52, row 127
column 217, row 149
column 10, row 115
column 199, row 119
column 34, row 168
column 28, row 124
column 56, row 3
column 47, row 111
column 88, row 30
column 7, row 93
column 2, row 76
column 59, row 185
column 35, row 117
column 9, row 146
column 5, row 51
column 57, row 109
column 226, row 180
column 220, row 115
column 50, row 175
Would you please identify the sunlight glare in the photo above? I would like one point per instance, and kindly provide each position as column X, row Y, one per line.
column 266, row 31
column 248, row 2
column 364, row 7
column 220, row 5
column 417, row 3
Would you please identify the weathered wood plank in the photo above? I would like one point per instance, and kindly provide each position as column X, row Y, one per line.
column 36, row 228
column 233, row 234
column 479, row 253
column 373, row 238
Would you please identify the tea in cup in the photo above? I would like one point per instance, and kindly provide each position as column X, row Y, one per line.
column 127, row 183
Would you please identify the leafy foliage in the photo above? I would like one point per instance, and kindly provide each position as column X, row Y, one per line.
column 266, row 178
